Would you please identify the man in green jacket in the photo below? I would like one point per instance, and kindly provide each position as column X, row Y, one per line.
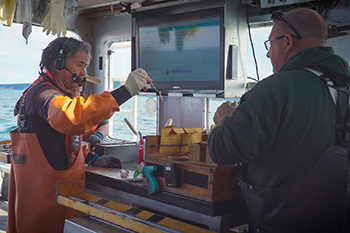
column 281, row 128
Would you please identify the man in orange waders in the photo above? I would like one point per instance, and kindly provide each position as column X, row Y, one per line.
column 46, row 146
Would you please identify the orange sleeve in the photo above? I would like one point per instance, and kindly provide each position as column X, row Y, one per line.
column 88, row 132
column 75, row 116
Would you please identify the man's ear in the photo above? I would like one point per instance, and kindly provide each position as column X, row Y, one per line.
column 288, row 43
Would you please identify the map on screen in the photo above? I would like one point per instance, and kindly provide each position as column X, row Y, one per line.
column 177, row 51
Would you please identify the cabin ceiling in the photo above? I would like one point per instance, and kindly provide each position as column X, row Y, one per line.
column 94, row 4
column 100, row 8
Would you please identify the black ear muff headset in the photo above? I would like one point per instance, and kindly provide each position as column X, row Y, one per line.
column 60, row 63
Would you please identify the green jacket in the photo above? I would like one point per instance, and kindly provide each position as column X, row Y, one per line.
column 282, row 126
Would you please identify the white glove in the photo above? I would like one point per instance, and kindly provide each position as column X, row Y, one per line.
column 54, row 21
column 136, row 81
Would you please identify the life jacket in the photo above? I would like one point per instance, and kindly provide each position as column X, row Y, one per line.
column 72, row 143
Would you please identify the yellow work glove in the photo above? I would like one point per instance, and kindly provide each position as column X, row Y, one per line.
column 54, row 21
column 7, row 11
column 136, row 81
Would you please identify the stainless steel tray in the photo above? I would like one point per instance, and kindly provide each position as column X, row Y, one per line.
column 126, row 152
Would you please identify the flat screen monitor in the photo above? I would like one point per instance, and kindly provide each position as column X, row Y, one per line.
column 182, row 52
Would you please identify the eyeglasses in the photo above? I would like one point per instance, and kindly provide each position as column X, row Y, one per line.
column 277, row 15
column 267, row 43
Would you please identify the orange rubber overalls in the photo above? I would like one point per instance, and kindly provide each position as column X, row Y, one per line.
column 32, row 194
column 32, row 200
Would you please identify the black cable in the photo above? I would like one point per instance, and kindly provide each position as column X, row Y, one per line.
column 252, row 45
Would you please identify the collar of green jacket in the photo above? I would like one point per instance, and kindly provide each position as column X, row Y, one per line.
column 322, row 59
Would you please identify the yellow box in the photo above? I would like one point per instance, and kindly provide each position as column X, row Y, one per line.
column 176, row 140
column 170, row 136
column 191, row 135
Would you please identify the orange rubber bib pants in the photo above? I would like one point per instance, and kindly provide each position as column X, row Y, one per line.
column 33, row 211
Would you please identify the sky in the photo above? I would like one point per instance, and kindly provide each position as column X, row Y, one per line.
column 264, row 64
column 19, row 62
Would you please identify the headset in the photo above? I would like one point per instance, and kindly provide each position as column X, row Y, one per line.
column 60, row 63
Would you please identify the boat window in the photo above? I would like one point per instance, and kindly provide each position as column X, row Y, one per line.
column 259, row 35
column 19, row 67
column 19, row 61
column 139, row 110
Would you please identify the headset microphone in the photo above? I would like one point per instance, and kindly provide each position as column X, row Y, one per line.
column 76, row 78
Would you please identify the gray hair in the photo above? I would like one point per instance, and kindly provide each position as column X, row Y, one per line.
column 70, row 48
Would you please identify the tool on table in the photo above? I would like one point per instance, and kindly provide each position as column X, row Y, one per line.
column 159, row 93
column 130, row 126
column 148, row 172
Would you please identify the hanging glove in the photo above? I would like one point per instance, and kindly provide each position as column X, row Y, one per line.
column 136, row 81
column 95, row 138
column 106, row 161
column 54, row 21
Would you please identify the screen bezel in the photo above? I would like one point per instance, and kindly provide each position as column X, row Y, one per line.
column 154, row 18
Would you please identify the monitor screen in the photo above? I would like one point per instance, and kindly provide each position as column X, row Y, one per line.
column 183, row 51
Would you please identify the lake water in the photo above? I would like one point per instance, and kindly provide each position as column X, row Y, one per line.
column 8, row 99
column 146, row 123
